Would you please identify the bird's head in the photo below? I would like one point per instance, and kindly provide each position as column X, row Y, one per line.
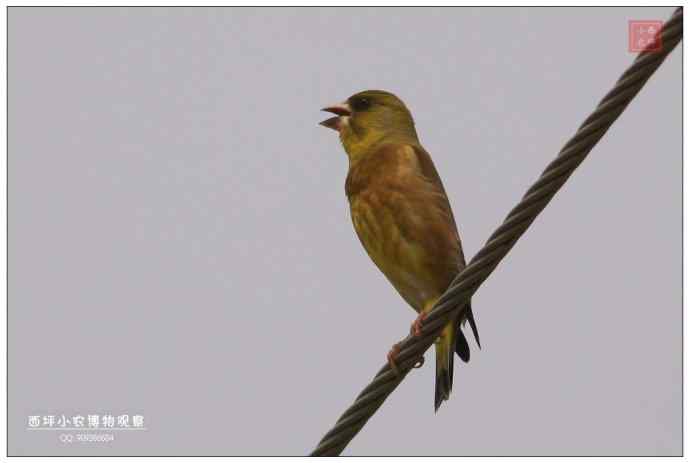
column 368, row 118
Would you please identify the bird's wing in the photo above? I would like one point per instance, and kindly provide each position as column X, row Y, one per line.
column 429, row 171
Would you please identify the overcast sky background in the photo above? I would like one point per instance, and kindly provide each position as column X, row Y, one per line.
column 180, row 244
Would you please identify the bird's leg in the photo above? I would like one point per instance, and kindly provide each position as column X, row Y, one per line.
column 416, row 328
column 392, row 355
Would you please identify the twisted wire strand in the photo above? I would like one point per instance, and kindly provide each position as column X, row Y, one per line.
column 503, row 239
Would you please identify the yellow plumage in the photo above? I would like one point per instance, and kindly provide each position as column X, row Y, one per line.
column 400, row 211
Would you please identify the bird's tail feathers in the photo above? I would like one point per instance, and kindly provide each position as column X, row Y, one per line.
column 444, row 364
column 452, row 340
column 473, row 325
column 462, row 348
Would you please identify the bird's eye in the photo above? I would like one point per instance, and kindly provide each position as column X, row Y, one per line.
column 361, row 104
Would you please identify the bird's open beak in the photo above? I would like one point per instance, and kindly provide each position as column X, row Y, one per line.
column 342, row 111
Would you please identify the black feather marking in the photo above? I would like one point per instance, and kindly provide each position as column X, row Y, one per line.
column 444, row 383
column 461, row 346
column 440, row 396
column 473, row 324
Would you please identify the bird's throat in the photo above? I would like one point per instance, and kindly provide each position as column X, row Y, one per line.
column 364, row 142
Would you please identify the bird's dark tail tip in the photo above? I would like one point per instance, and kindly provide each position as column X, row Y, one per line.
column 473, row 325
column 442, row 392
column 444, row 379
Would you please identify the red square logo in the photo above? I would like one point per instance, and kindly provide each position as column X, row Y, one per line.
column 644, row 35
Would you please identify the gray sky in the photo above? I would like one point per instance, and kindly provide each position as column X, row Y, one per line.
column 181, row 247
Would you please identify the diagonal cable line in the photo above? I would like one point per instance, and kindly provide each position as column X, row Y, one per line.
column 504, row 238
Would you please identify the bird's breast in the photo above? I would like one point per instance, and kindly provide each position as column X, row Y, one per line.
column 375, row 217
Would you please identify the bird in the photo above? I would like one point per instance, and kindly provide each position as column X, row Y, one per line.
column 402, row 216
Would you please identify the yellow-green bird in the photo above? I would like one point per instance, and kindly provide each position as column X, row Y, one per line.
column 402, row 216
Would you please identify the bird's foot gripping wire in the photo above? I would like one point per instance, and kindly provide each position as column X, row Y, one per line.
column 393, row 355
column 416, row 328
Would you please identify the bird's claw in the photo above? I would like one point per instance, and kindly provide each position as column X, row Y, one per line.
column 392, row 355
column 416, row 328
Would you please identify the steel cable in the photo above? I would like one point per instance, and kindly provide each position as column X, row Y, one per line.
column 504, row 238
